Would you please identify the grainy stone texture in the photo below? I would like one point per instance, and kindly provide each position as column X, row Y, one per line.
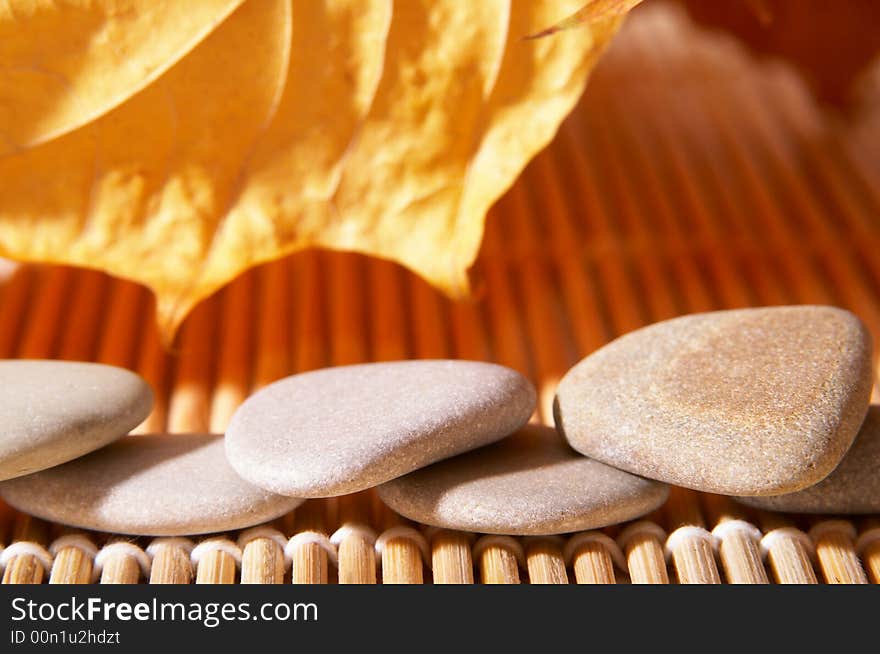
column 745, row 402
column 529, row 483
column 54, row 411
column 341, row 430
column 853, row 487
column 156, row 485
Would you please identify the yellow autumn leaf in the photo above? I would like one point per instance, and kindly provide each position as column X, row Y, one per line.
column 592, row 11
column 63, row 64
column 383, row 127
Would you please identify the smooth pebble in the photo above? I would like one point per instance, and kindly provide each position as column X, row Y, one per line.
column 744, row 402
column 853, row 487
column 54, row 411
column 341, row 430
column 531, row 483
column 154, row 485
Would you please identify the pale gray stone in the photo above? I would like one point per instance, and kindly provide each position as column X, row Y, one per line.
column 155, row 485
column 529, row 483
column 54, row 411
column 744, row 402
column 853, row 487
column 342, row 430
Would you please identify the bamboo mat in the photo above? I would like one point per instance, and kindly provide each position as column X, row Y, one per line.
column 691, row 178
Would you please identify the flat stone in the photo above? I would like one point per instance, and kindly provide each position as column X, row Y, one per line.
column 342, row 430
column 853, row 487
column 531, row 483
column 744, row 402
column 151, row 485
column 54, row 411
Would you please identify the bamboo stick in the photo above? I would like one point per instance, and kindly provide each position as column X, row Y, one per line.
column 17, row 293
column 274, row 334
column 451, row 560
column 739, row 551
column 355, row 541
column 154, row 365
column 403, row 551
column 216, row 561
column 642, row 543
column 263, row 560
column 788, row 550
column 73, row 556
column 868, row 548
column 26, row 560
column 216, row 567
column 234, row 365
column 7, row 515
column 348, row 312
column 468, row 329
column 122, row 562
column 593, row 565
column 428, row 318
column 835, row 549
column 170, row 559
column 689, row 544
column 738, row 541
column 86, row 312
column 311, row 559
column 593, row 555
column 311, row 553
column 40, row 339
column 122, row 328
column 545, row 560
column 313, row 335
column 189, row 407
column 499, row 559
column 357, row 555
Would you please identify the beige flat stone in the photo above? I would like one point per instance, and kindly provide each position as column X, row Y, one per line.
column 853, row 487
column 745, row 402
column 54, row 411
column 155, row 485
column 528, row 483
column 342, row 430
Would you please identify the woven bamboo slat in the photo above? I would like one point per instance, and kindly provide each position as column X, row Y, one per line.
column 691, row 177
